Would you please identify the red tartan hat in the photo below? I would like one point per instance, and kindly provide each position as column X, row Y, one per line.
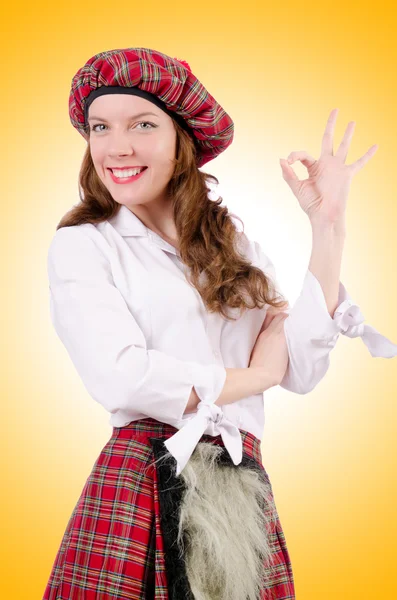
column 167, row 82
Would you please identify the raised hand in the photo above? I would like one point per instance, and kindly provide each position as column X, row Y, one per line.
column 323, row 195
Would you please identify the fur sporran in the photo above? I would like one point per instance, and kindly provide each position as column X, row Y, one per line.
column 216, row 520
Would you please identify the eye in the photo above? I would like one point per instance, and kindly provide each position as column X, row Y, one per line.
column 152, row 125
column 147, row 123
column 93, row 127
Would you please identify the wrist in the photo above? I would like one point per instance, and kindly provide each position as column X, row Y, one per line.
column 321, row 227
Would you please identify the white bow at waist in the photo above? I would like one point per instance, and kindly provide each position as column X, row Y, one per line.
column 208, row 419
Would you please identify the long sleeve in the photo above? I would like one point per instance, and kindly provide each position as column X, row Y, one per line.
column 105, row 343
column 311, row 332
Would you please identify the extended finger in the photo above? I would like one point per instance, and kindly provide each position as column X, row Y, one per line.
column 356, row 166
column 345, row 143
column 328, row 136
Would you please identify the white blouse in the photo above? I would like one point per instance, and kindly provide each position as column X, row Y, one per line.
column 140, row 337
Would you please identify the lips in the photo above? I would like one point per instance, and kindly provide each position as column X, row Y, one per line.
column 124, row 180
column 125, row 168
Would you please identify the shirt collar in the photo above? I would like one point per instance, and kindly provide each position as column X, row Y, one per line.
column 128, row 224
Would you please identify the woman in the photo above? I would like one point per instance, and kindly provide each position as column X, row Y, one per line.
column 153, row 290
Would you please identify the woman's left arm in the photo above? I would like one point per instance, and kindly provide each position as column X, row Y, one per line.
column 328, row 240
column 324, row 308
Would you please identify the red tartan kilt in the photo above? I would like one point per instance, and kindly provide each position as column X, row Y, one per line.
column 113, row 546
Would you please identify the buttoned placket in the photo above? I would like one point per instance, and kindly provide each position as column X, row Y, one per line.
column 213, row 330
column 128, row 224
column 213, row 323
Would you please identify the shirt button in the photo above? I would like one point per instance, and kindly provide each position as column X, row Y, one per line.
column 216, row 354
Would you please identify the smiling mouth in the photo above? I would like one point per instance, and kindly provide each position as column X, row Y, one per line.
column 126, row 178
column 124, row 170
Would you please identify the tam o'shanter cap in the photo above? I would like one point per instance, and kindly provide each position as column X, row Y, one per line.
column 167, row 82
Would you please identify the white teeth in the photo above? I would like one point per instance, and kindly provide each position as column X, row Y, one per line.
column 123, row 173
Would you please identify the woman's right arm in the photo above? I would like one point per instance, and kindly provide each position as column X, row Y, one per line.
column 268, row 363
column 239, row 384
column 105, row 342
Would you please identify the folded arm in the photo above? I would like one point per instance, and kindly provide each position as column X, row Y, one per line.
column 105, row 343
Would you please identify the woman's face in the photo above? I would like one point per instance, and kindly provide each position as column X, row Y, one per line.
column 119, row 138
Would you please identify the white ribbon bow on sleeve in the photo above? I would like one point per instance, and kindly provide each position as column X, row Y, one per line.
column 349, row 318
column 209, row 416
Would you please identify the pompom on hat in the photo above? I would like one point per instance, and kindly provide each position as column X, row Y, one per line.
column 167, row 82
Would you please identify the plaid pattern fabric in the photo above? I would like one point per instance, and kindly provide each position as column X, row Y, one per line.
column 170, row 79
column 113, row 547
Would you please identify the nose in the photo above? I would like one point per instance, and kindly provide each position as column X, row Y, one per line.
column 120, row 145
column 120, row 152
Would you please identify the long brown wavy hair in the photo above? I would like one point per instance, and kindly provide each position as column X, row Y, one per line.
column 207, row 236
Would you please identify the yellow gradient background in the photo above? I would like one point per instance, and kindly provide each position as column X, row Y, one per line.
column 278, row 70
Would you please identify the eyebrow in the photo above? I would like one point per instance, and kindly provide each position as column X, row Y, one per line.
column 130, row 119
